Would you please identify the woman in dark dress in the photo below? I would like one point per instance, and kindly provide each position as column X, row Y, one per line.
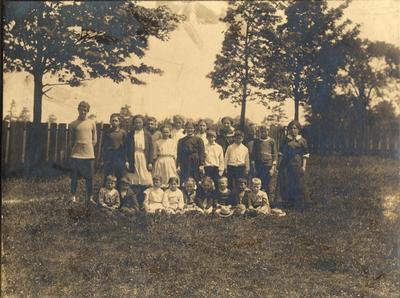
column 293, row 155
column 191, row 155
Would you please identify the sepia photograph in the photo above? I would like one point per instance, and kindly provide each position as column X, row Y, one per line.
column 200, row 148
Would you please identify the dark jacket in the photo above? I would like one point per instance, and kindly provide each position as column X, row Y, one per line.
column 130, row 147
column 204, row 200
column 129, row 201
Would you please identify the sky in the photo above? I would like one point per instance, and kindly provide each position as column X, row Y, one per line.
column 185, row 59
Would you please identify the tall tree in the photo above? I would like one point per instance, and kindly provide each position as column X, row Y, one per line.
column 80, row 40
column 249, row 40
column 311, row 51
column 372, row 71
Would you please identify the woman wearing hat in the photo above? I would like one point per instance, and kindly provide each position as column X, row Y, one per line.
column 293, row 155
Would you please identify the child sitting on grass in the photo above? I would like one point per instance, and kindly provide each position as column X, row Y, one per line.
column 153, row 197
column 204, row 196
column 223, row 199
column 108, row 195
column 129, row 202
column 241, row 196
column 173, row 197
column 189, row 195
column 258, row 202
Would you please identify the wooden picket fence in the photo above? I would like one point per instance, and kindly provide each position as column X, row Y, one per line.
column 52, row 145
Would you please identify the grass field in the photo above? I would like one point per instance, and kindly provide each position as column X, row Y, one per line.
column 347, row 245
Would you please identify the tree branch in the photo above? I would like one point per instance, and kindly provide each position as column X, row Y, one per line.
column 45, row 91
column 63, row 84
column 48, row 96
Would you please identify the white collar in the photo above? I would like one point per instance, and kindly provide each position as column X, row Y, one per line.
column 298, row 137
column 264, row 140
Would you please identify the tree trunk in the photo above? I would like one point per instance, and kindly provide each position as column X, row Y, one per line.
column 243, row 108
column 245, row 80
column 296, row 109
column 37, row 99
column 34, row 146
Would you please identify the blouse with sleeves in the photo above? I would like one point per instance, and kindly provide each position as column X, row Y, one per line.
column 165, row 147
column 173, row 199
column 293, row 150
column 153, row 197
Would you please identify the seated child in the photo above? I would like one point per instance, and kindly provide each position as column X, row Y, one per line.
column 204, row 196
column 129, row 202
column 241, row 196
column 189, row 195
column 153, row 197
column 173, row 197
column 108, row 195
column 258, row 203
column 223, row 199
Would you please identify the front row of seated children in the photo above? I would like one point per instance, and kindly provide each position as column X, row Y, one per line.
column 191, row 199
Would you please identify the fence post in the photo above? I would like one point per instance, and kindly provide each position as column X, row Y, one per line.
column 24, row 144
column 5, row 138
column 99, row 128
column 56, row 143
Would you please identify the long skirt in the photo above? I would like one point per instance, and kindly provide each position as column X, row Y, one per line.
column 141, row 176
column 165, row 168
column 292, row 185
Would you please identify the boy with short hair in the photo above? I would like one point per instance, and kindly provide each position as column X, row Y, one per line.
column 113, row 150
column 214, row 161
column 258, row 202
column 108, row 195
column 242, row 195
column 263, row 158
column 83, row 138
column 237, row 162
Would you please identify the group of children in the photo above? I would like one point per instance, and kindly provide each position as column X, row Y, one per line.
column 186, row 167
column 191, row 197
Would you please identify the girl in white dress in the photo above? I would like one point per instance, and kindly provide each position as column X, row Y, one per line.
column 173, row 197
column 153, row 197
column 165, row 151
column 139, row 157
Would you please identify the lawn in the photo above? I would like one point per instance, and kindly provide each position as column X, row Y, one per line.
column 347, row 244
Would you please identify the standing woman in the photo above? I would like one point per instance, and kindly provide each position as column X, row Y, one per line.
column 191, row 155
column 293, row 155
column 139, row 156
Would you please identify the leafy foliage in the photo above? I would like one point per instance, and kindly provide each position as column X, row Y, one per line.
column 312, row 49
column 371, row 69
column 249, row 39
column 81, row 40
